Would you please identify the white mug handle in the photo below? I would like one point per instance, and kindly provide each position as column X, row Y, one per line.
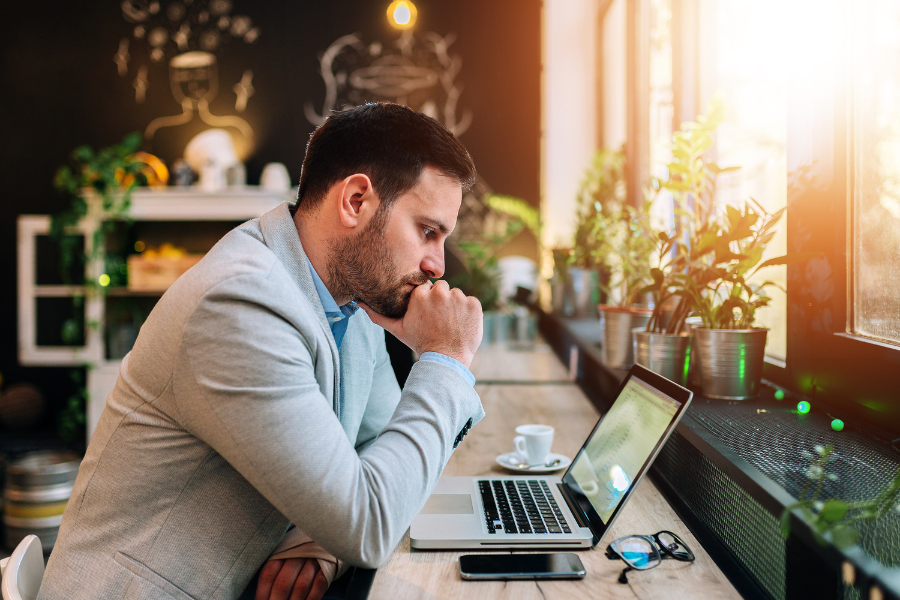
column 519, row 443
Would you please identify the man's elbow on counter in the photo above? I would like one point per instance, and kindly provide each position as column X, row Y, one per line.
column 372, row 554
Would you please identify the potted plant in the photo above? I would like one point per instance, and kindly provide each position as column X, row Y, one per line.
column 665, row 346
column 710, row 269
column 731, row 347
column 625, row 242
column 482, row 276
column 111, row 175
column 560, row 301
column 601, row 192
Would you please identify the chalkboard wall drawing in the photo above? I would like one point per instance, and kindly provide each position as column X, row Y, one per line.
column 418, row 72
column 188, row 35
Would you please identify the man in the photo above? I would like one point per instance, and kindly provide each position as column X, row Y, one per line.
column 257, row 397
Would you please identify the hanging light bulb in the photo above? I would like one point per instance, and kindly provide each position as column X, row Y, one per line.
column 402, row 14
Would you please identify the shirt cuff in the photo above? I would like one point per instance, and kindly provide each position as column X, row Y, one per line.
column 450, row 362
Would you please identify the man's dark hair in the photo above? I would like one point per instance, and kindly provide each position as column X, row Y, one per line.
column 389, row 143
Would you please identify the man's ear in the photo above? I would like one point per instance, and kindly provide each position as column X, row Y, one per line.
column 358, row 201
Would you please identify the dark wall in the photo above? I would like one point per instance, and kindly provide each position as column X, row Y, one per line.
column 61, row 90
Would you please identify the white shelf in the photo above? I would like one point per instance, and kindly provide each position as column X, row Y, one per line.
column 191, row 204
column 170, row 204
column 58, row 291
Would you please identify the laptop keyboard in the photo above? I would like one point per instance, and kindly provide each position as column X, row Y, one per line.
column 521, row 506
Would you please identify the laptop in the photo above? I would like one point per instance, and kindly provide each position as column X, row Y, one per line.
column 503, row 512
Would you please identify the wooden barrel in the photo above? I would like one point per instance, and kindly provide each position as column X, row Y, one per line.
column 38, row 486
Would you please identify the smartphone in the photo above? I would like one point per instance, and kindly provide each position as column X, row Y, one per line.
column 563, row 565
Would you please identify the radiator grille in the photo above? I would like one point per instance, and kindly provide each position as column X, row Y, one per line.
column 747, row 529
column 772, row 442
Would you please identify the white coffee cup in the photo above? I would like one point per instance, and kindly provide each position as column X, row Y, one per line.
column 533, row 442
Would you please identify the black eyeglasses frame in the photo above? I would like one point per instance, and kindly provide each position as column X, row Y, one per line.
column 686, row 555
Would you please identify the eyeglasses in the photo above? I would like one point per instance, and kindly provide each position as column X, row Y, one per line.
column 642, row 552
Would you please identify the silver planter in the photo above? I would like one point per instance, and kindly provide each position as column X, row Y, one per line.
column 557, row 296
column 497, row 327
column 503, row 325
column 524, row 331
column 488, row 333
column 668, row 354
column 692, row 323
column 617, row 324
column 732, row 361
column 582, row 290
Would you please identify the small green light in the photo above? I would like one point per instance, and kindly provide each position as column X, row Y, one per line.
column 803, row 407
column 837, row 425
column 779, row 394
column 103, row 280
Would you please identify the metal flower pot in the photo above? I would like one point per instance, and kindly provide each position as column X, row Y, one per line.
column 696, row 370
column 488, row 332
column 558, row 296
column 732, row 361
column 668, row 310
column 617, row 324
column 668, row 354
column 503, row 325
column 583, row 289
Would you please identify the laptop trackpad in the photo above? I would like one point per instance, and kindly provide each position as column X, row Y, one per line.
column 449, row 504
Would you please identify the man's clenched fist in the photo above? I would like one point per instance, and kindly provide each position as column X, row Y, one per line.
column 438, row 320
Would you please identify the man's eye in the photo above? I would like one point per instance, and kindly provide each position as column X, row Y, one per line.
column 428, row 232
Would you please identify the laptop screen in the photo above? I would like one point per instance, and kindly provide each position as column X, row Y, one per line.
column 617, row 451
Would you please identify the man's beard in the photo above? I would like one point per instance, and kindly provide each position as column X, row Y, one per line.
column 362, row 268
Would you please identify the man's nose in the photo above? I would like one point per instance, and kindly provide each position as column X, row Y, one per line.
column 433, row 264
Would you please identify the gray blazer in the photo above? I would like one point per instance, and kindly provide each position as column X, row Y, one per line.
column 235, row 416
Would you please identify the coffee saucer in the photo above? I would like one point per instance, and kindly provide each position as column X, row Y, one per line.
column 512, row 460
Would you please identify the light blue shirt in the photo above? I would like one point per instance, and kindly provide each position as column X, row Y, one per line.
column 338, row 318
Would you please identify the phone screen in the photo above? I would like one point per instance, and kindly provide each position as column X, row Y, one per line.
column 520, row 566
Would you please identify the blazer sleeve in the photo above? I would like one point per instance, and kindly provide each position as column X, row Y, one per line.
column 383, row 396
column 246, row 385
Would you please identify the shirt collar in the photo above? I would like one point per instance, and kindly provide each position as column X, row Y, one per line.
column 333, row 312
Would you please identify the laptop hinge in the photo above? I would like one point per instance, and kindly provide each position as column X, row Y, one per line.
column 572, row 506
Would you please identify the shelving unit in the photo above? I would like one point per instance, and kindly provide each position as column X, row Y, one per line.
column 188, row 204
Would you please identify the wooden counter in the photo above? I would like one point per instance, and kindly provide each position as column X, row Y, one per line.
column 417, row 574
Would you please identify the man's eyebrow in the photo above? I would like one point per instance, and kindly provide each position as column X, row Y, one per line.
column 435, row 225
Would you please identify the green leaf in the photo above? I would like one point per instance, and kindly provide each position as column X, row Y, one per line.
column 790, row 259
column 833, row 510
column 677, row 186
column 131, row 143
column 517, row 208
column 786, row 523
column 844, row 536
column 83, row 154
column 734, row 215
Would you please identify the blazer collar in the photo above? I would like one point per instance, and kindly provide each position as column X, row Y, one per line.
column 281, row 237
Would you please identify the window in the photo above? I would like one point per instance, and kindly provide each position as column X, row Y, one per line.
column 613, row 78
column 812, row 96
column 750, row 41
column 661, row 106
column 875, row 187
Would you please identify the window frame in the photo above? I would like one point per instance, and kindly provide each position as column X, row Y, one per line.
column 856, row 375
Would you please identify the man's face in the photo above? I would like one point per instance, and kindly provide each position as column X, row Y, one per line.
column 400, row 249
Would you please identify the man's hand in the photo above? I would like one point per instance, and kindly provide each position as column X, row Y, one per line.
column 291, row 578
column 438, row 320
